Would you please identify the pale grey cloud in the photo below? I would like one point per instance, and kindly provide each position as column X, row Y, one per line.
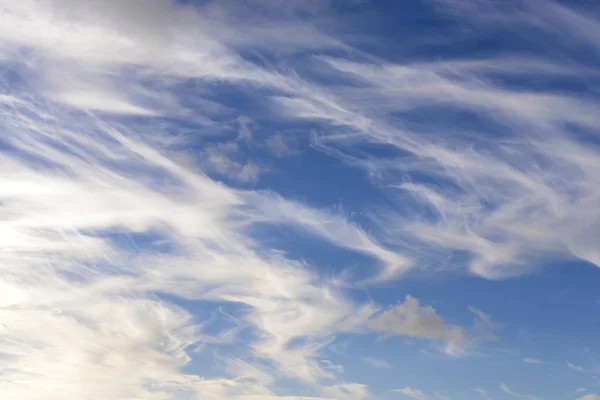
column 411, row 319
column 377, row 363
column 441, row 397
column 532, row 361
column 590, row 397
column 508, row 390
column 576, row 368
column 280, row 146
column 483, row 393
column 346, row 391
column 412, row 393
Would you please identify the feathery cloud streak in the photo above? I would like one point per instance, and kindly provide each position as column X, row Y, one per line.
column 103, row 224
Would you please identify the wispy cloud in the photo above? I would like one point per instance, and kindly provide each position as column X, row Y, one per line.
column 377, row 363
column 280, row 145
column 532, row 361
column 441, row 397
column 576, row 368
column 483, row 393
column 508, row 390
column 347, row 392
column 412, row 393
column 108, row 229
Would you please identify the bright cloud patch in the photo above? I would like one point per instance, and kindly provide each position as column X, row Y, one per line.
column 298, row 200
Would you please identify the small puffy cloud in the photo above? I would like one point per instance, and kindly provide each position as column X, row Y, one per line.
column 411, row 319
column 414, row 320
column 250, row 173
column 412, row 393
column 280, row 146
column 226, row 159
column 244, row 123
column 590, row 397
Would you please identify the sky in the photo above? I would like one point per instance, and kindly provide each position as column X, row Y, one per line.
column 299, row 200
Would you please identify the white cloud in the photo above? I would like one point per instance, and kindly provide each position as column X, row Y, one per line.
column 492, row 258
column 492, row 222
column 532, row 361
column 333, row 228
column 441, row 397
column 488, row 198
column 95, row 298
column 483, row 393
column 347, row 391
column 226, row 159
column 576, row 367
column 412, row 393
column 508, row 390
column 377, row 363
column 590, row 397
column 106, row 102
column 75, row 184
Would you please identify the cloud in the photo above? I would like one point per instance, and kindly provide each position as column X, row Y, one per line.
column 576, row 368
column 226, row 160
column 244, row 123
column 496, row 213
column 333, row 228
column 483, row 393
column 532, row 361
column 303, row 6
column 104, row 102
column 589, row 397
column 482, row 197
column 95, row 294
column 107, row 235
column 412, row 393
column 505, row 388
column 249, row 173
column 413, row 320
column 492, row 222
column 352, row 391
column 280, row 146
column 377, row 363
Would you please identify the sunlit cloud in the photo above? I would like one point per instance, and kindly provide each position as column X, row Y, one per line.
column 411, row 393
column 145, row 210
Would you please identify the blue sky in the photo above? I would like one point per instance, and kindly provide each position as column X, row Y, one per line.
column 299, row 200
